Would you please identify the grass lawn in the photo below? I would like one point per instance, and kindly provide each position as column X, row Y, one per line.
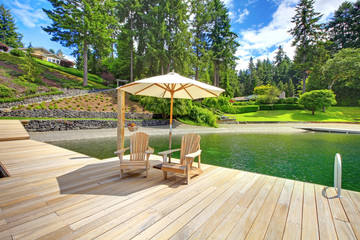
column 333, row 114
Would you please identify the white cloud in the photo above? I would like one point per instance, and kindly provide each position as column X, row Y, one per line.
column 261, row 43
column 242, row 15
column 29, row 16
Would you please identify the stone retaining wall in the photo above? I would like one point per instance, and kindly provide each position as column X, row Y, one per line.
column 66, row 93
column 63, row 125
column 57, row 113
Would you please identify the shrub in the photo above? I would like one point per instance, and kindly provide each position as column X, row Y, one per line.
column 242, row 103
column 317, row 99
column 67, row 64
column 17, row 52
column 135, row 98
column 6, row 92
column 202, row 116
column 161, row 106
column 281, row 107
column 291, row 100
column 3, row 47
column 31, row 70
column 261, row 90
column 216, row 102
column 108, row 77
column 240, row 109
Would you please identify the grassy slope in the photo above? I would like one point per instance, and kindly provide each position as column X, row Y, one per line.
column 61, row 76
column 333, row 114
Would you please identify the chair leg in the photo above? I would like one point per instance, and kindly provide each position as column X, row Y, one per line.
column 147, row 168
column 165, row 174
column 121, row 173
column 187, row 175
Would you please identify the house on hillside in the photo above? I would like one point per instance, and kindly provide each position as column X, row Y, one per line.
column 46, row 55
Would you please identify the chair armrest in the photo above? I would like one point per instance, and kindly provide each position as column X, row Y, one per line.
column 169, row 151
column 193, row 155
column 121, row 151
column 149, row 150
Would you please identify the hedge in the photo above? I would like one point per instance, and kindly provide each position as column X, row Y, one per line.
column 281, row 107
column 240, row 109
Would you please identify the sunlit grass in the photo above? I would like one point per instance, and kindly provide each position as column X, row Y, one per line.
column 333, row 114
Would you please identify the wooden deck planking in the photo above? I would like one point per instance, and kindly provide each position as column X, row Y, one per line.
column 59, row 194
column 12, row 130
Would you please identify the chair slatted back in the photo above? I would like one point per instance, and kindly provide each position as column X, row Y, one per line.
column 139, row 143
column 189, row 143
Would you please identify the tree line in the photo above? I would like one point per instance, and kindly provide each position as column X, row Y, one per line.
column 327, row 56
column 134, row 39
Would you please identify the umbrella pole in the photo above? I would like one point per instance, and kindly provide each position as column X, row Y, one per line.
column 171, row 120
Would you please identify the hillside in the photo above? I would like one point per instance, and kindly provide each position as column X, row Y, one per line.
column 53, row 77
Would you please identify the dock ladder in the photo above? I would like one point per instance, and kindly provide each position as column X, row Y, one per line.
column 337, row 174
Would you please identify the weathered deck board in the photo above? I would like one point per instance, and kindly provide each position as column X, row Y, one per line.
column 59, row 194
column 12, row 130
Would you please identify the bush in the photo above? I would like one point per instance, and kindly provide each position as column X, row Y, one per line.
column 67, row 64
column 202, row 116
column 17, row 52
column 291, row 100
column 240, row 109
column 135, row 98
column 216, row 102
column 242, row 103
column 108, row 77
column 261, row 90
column 6, row 92
column 3, row 47
column 281, row 107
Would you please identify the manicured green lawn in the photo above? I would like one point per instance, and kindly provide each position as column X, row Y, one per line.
column 333, row 114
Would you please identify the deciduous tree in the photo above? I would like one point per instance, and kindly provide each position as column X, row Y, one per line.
column 317, row 99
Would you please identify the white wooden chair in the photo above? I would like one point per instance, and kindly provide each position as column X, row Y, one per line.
column 139, row 153
column 190, row 148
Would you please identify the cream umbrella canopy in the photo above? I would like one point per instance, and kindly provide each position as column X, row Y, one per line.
column 171, row 85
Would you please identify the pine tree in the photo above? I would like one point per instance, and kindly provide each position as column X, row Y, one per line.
column 307, row 32
column 343, row 28
column 8, row 34
column 223, row 43
column 200, row 27
column 82, row 24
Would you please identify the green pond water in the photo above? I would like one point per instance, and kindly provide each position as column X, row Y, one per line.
column 306, row 157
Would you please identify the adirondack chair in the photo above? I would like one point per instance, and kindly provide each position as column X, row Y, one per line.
column 190, row 148
column 139, row 153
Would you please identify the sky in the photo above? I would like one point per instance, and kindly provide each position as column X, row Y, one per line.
column 261, row 25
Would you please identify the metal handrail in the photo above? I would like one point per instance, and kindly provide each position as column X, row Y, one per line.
column 337, row 174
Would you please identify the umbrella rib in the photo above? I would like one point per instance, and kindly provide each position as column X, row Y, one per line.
column 144, row 89
column 129, row 85
column 184, row 87
column 207, row 91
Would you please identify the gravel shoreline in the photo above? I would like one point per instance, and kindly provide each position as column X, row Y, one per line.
column 180, row 129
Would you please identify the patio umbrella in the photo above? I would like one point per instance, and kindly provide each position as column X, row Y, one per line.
column 171, row 85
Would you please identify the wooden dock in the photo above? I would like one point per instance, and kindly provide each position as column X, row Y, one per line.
column 12, row 130
column 55, row 193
